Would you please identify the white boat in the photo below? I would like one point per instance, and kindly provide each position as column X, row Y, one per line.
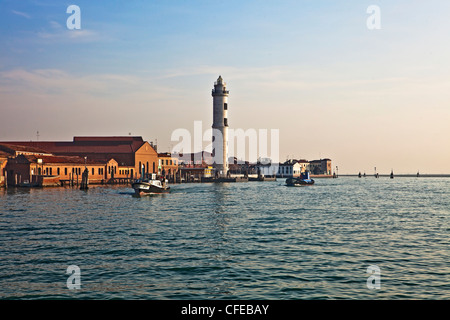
column 151, row 185
column 303, row 180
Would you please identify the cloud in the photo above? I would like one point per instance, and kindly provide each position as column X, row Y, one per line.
column 22, row 14
column 62, row 35
column 56, row 83
column 55, row 25
column 59, row 33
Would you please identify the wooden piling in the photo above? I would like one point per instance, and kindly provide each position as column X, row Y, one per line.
column 84, row 180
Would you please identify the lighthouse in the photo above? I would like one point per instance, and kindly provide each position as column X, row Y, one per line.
column 220, row 127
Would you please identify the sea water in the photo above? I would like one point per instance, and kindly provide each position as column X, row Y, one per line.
column 252, row 240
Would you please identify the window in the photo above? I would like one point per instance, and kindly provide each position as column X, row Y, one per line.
column 57, row 172
column 167, row 162
column 225, row 122
column 93, row 171
column 225, row 106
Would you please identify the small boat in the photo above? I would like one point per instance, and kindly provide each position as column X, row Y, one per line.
column 28, row 184
column 392, row 174
column 152, row 184
column 303, row 180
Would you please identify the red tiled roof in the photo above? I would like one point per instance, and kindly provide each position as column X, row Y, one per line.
column 164, row 155
column 86, row 145
column 108, row 139
column 122, row 149
column 4, row 154
column 10, row 147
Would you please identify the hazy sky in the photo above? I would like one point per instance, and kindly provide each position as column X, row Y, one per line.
column 312, row 69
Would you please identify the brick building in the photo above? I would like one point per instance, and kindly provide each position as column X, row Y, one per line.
column 37, row 170
column 130, row 153
column 320, row 167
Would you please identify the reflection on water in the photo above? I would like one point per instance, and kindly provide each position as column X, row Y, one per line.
column 255, row 240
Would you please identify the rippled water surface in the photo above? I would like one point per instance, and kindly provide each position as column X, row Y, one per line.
column 255, row 240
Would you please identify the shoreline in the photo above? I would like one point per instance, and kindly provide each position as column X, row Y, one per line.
column 239, row 180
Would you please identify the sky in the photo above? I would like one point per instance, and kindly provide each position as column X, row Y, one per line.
column 313, row 70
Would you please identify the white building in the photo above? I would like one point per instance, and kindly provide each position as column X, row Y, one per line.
column 267, row 170
column 293, row 168
column 220, row 127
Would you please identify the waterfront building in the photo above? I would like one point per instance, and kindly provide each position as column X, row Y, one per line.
column 27, row 165
column 197, row 158
column 266, row 170
column 167, row 165
column 220, row 127
column 14, row 150
column 3, row 161
column 131, row 153
column 9, row 152
column 320, row 167
column 294, row 168
column 196, row 173
column 289, row 169
column 49, row 170
column 304, row 165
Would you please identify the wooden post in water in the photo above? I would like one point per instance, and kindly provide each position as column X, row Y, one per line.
column 84, row 177
column 85, row 180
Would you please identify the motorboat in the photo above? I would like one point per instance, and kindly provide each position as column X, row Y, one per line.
column 151, row 184
column 303, row 180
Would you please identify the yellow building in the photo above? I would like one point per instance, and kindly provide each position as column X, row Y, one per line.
column 3, row 161
column 167, row 165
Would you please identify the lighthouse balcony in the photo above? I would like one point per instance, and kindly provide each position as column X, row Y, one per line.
column 220, row 91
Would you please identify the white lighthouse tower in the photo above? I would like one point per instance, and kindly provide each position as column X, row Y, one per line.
column 220, row 127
